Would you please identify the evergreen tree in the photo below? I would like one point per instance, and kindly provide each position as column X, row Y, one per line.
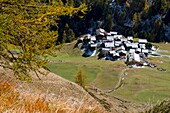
column 71, row 35
column 109, row 23
column 135, row 20
column 68, row 34
column 157, row 27
column 120, row 2
column 137, row 5
column 64, row 38
column 70, row 2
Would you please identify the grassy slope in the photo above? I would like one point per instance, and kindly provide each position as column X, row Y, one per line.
column 52, row 94
column 165, row 47
column 148, row 84
column 140, row 85
column 103, row 74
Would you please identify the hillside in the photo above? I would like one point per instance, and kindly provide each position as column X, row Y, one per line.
column 141, row 85
column 63, row 95
column 138, row 87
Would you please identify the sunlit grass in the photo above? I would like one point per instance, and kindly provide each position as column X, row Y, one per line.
column 15, row 101
column 160, row 107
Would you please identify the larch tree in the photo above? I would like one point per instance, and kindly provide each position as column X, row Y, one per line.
column 146, row 7
column 25, row 27
column 81, row 78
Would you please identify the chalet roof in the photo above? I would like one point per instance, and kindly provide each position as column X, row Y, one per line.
column 118, row 36
column 121, row 51
column 142, row 41
column 124, row 40
column 109, row 34
column 143, row 46
column 122, row 47
column 93, row 38
column 100, row 31
column 91, row 42
column 118, row 43
column 112, row 52
column 105, row 49
column 145, row 51
column 138, row 50
column 132, row 51
column 128, row 44
column 110, row 38
column 116, row 54
column 88, row 36
column 109, row 44
column 93, row 45
column 134, row 45
column 104, row 41
column 113, row 33
column 81, row 39
column 130, row 38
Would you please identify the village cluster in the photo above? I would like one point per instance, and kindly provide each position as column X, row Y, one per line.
column 111, row 46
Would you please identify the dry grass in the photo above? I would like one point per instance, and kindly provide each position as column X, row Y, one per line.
column 162, row 107
column 14, row 101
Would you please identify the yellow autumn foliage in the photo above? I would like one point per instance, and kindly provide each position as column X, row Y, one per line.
column 25, row 36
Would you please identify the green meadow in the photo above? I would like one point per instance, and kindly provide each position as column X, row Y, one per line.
column 140, row 84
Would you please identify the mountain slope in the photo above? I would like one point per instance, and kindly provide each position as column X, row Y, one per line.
column 60, row 92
